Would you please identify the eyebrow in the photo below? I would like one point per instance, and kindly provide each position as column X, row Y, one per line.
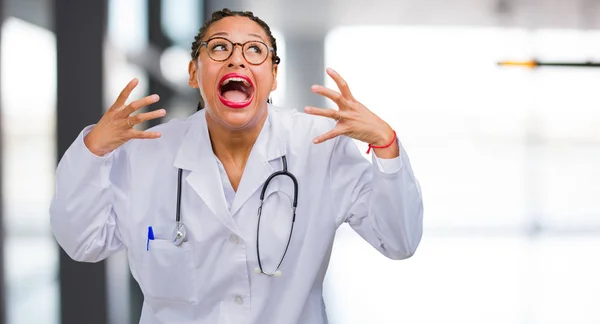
column 227, row 34
column 256, row 35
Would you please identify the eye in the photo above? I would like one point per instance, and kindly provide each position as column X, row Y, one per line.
column 255, row 48
column 219, row 47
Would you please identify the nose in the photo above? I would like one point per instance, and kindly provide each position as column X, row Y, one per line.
column 237, row 58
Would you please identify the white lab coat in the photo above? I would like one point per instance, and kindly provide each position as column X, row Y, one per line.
column 105, row 204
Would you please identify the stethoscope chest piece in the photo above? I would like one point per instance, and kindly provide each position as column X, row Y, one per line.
column 179, row 234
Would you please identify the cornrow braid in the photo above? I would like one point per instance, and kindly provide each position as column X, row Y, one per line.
column 218, row 15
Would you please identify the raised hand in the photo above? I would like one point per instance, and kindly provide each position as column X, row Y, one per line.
column 116, row 126
column 353, row 118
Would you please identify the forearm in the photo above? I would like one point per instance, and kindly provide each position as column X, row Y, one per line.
column 82, row 212
column 381, row 200
column 395, row 212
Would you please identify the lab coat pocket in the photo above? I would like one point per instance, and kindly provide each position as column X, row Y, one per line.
column 168, row 273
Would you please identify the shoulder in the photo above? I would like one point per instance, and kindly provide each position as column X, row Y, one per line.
column 299, row 129
column 172, row 133
column 301, row 124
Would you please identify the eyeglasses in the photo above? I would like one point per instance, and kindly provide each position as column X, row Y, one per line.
column 220, row 49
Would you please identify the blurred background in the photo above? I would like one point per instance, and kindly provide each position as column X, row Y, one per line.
column 508, row 157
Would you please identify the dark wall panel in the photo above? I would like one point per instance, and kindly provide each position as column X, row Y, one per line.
column 80, row 28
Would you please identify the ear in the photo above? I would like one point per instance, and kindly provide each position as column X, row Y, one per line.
column 275, row 66
column 193, row 71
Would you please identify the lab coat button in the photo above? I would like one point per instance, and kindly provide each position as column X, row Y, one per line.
column 239, row 300
column 234, row 239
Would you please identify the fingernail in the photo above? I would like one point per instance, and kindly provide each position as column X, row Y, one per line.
column 307, row 109
column 155, row 97
column 316, row 141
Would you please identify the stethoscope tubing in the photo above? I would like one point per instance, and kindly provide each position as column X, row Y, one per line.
column 284, row 172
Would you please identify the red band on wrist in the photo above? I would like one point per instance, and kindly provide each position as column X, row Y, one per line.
column 382, row 146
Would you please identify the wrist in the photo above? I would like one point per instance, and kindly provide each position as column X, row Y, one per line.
column 92, row 146
column 386, row 146
column 385, row 137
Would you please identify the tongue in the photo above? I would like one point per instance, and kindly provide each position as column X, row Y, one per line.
column 235, row 96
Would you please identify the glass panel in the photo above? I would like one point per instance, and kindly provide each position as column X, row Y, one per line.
column 181, row 21
column 461, row 119
column 29, row 159
column 128, row 24
column 279, row 94
column 466, row 280
column 508, row 163
column 127, row 38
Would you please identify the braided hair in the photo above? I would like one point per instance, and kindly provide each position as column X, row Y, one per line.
column 220, row 14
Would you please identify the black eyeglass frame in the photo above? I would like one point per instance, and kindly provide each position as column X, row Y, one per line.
column 233, row 45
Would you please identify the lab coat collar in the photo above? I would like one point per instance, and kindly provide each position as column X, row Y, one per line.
column 268, row 146
column 196, row 155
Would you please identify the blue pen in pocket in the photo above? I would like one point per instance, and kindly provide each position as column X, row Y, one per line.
column 150, row 237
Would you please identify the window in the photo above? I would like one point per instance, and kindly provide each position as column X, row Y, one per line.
column 508, row 163
column 278, row 96
column 29, row 159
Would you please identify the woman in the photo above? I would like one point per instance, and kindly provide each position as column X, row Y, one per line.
column 184, row 198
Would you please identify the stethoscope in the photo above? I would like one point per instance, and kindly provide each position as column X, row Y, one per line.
column 180, row 231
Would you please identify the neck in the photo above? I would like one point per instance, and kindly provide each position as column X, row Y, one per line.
column 233, row 146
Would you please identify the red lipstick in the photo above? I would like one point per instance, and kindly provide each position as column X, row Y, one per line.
column 248, row 89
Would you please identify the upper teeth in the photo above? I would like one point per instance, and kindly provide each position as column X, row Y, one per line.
column 246, row 83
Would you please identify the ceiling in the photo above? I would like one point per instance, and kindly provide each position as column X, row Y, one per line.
column 317, row 16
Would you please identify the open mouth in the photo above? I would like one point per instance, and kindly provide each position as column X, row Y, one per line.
column 236, row 90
